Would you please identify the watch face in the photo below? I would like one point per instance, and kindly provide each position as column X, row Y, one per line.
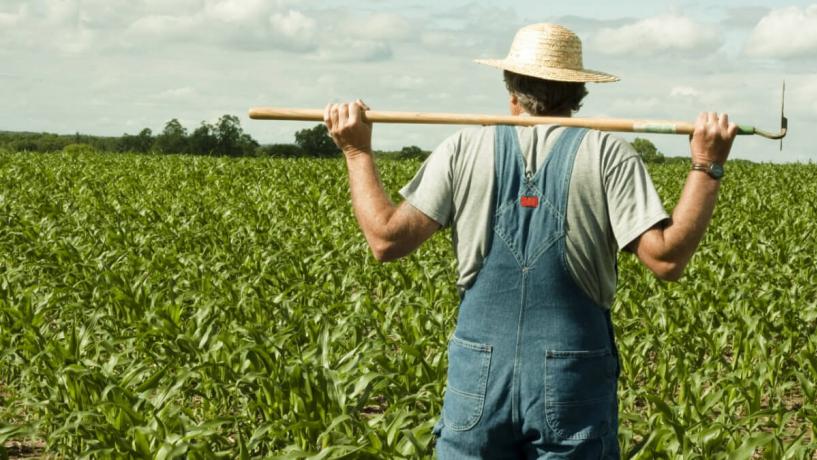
column 716, row 170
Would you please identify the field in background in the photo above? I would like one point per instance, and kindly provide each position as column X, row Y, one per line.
column 192, row 307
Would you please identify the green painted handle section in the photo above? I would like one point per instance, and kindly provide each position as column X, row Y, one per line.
column 661, row 128
column 673, row 128
column 746, row 129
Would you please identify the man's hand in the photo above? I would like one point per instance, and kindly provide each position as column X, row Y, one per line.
column 349, row 128
column 712, row 138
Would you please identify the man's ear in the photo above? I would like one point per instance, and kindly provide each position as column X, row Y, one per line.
column 514, row 106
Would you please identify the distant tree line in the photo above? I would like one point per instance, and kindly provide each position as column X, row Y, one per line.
column 225, row 137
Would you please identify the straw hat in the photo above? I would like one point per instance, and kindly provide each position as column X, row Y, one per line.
column 550, row 52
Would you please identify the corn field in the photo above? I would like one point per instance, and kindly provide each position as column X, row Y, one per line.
column 190, row 307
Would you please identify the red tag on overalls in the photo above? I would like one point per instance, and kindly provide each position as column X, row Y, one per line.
column 530, row 201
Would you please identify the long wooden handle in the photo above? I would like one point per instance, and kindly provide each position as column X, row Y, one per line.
column 602, row 124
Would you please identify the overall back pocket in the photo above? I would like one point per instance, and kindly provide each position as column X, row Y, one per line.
column 580, row 392
column 468, row 367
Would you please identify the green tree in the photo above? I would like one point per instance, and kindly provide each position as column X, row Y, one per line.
column 173, row 139
column 141, row 142
column 412, row 151
column 203, row 141
column 231, row 139
column 649, row 153
column 316, row 142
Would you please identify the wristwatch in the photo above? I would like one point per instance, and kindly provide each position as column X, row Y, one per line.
column 714, row 170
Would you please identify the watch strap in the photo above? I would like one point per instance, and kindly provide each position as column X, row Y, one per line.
column 714, row 170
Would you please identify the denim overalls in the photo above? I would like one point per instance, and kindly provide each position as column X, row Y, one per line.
column 533, row 364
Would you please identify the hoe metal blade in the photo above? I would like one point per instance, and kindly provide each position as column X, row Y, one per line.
column 784, row 122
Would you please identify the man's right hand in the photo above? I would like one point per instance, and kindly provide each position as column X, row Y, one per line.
column 712, row 138
column 348, row 127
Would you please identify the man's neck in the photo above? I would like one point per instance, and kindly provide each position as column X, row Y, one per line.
column 518, row 111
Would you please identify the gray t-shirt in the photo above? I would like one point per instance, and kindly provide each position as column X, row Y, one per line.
column 611, row 201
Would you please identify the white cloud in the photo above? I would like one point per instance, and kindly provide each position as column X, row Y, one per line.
column 684, row 92
column 344, row 50
column 659, row 35
column 9, row 20
column 146, row 7
column 785, row 33
column 176, row 94
column 635, row 106
column 236, row 11
column 122, row 27
column 404, row 82
column 378, row 26
column 292, row 23
column 806, row 95
column 226, row 24
column 76, row 26
column 62, row 12
column 294, row 28
column 77, row 41
column 163, row 27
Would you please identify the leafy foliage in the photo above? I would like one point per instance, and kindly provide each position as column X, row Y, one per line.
column 649, row 153
column 315, row 141
column 198, row 307
column 141, row 143
column 412, row 151
column 173, row 139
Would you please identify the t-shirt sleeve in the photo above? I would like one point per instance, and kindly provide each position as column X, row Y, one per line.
column 632, row 201
column 431, row 189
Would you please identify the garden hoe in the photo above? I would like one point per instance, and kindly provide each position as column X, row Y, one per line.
column 602, row 124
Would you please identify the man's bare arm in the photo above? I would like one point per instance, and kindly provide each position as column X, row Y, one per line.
column 667, row 248
column 391, row 231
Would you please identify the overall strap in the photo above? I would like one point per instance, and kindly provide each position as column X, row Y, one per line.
column 553, row 178
column 508, row 166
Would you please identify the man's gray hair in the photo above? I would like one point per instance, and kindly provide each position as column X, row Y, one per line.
column 545, row 97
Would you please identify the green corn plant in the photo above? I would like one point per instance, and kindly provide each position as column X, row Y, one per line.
column 196, row 307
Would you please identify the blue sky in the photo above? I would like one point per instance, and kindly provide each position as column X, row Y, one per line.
column 114, row 66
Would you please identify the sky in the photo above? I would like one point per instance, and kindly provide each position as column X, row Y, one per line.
column 108, row 67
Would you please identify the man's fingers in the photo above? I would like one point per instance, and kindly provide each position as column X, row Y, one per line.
column 723, row 121
column 700, row 123
column 333, row 116
column 355, row 112
column 360, row 109
column 326, row 116
column 343, row 117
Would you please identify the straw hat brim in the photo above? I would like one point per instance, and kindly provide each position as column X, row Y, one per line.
column 551, row 73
